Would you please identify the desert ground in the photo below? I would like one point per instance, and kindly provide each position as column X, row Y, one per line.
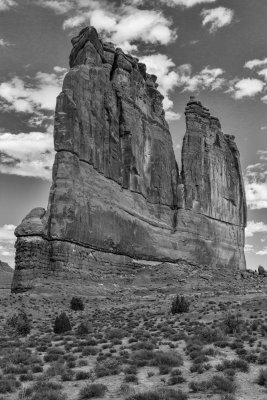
column 133, row 347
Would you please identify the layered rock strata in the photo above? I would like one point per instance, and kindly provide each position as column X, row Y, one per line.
column 117, row 197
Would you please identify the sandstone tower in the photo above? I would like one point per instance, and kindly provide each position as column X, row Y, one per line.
column 117, row 196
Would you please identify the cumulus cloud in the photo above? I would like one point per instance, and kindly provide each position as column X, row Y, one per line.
column 260, row 66
column 163, row 67
column 186, row 3
column 32, row 94
column 4, row 43
column 216, row 18
column 252, row 64
column 246, row 87
column 7, row 232
column 208, row 78
column 126, row 25
column 7, row 241
column 262, row 252
column 256, row 183
column 255, row 227
column 7, row 4
column 27, row 154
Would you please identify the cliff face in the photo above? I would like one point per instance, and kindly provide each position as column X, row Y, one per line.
column 6, row 275
column 117, row 197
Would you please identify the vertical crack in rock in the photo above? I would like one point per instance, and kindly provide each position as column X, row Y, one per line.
column 116, row 188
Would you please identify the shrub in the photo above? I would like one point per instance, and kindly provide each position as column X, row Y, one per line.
column 131, row 378
column 238, row 364
column 180, row 305
column 232, row 322
column 66, row 375
column 115, row 333
column 37, row 368
column 142, row 345
column 176, row 379
column 83, row 329
column 19, row 323
column 92, row 390
column 217, row 384
column 262, row 359
column 8, row 385
column 209, row 335
column 43, row 389
column 49, row 394
column 163, row 394
column 76, row 304
column 89, row 351
column 170, row 359
column 199, row 386
column 26, row 377
column 107, row 367
column 56, row 368
column 262, row 377
column 81, row 375
column 156, row 359
column 221, row 384
column 62, row 323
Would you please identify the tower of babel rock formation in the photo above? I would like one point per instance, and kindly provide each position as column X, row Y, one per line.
column 117, row 197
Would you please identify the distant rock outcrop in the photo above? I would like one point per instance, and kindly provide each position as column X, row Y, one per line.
column 6, row 275
column 262, row 271
column 117, row 197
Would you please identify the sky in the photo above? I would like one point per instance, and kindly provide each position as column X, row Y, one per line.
column 213, row 49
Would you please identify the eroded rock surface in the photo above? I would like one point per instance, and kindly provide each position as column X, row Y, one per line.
column 6, row 275
column 117, row 196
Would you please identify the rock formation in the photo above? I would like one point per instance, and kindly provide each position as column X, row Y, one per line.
column 118, row 199
column 6, row 275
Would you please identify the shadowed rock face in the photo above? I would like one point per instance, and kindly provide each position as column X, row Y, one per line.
column 117, row 196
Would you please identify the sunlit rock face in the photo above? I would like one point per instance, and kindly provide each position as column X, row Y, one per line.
column 117, row 196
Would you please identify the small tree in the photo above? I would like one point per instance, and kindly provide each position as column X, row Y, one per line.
column 180, row 305
column 62, row 323
column 76, row 304
column 19, row 323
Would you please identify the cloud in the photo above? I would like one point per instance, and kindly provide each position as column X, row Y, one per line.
column 125, row 25
column 256, row 183
column 7, row 232
column 260, row 66
column 255, row 227
column 27, row 154
column 32, row 94
column 217, row 18
column 246, row 87
column 4, row 43
column 58, row 6
column 170, row 77
column 252, row 64
column 263, row 73
column 163, row 67
column 186, row 3
column 7, row 4
column 7, row 241
column 262, row 252
column 249, row 248
column 208, row 78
